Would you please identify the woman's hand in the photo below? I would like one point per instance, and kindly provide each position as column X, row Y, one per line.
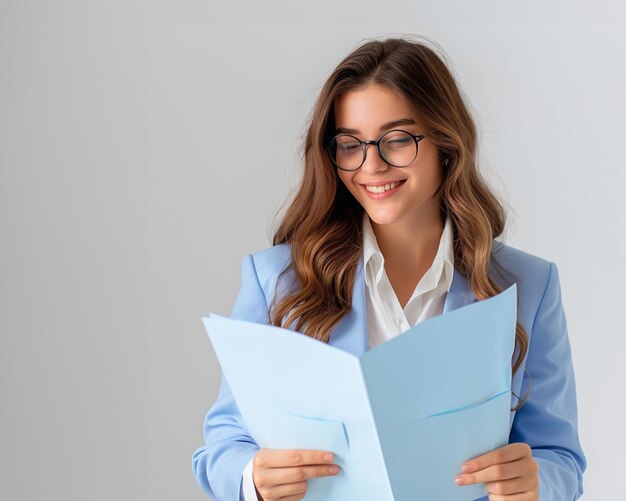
column 509, row 472
column 281, row 474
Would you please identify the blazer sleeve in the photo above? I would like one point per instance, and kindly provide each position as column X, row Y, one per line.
column 548, row 420
column 218, row 465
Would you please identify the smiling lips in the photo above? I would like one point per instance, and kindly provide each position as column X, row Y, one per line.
column 382, row 186
column 380, row 190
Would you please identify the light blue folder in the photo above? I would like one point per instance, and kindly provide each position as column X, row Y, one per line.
column 401, row 419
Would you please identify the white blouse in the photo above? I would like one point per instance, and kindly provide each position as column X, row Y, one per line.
column 385, row 317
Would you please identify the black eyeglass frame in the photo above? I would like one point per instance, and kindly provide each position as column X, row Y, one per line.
column 376, row 142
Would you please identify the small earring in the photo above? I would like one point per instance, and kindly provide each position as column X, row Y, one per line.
column 446, row 161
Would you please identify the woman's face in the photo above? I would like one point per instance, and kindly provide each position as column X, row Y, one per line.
column 365, row 111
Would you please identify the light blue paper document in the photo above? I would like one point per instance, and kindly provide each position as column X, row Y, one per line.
column 401, row 419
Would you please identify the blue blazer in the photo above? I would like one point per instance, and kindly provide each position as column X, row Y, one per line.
column 547, row 421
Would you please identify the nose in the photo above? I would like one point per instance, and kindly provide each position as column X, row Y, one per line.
column 373, row 161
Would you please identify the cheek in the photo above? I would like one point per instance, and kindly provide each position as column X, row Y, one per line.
column 426, row 178
column 346, row 179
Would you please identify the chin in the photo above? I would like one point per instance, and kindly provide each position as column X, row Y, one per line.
column 380, row 217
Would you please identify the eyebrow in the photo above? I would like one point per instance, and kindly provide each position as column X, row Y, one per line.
column 388, row 125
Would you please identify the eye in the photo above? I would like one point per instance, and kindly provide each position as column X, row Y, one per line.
column 402, row 140
column 348, row 146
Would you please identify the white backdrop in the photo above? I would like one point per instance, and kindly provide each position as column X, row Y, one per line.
column 124, row 214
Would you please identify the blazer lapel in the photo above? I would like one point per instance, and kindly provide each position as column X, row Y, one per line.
column 460, row 293
column 351, row 333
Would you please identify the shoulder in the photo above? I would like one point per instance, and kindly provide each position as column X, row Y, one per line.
column 534, row 275
column 272, row 260
column 530, row 266
column 259, row 274
column 266, row 265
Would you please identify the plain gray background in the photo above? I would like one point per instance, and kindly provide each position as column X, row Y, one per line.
column 145, row 148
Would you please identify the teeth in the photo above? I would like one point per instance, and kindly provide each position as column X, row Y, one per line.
column 382, row 189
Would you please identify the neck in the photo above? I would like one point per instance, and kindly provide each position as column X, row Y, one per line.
column 411, row 242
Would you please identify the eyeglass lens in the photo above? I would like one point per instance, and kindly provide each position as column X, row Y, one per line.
column 398, row 148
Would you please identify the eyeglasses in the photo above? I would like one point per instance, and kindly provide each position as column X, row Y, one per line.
column 396, row 147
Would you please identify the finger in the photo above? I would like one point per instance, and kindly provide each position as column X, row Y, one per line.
column 524, row 496
column 517, row 485
column 297, row 497
column 501, row 471
column 510, row 452
column 280, row 491
column 280, row 482
column 279, row 458
column 294, row 474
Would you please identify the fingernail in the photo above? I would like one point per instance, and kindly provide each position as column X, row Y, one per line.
column 334, row 469
column 465, row 468
column 459, row 480
column 328, row 457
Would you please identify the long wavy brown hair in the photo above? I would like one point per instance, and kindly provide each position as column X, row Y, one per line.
column 323, row 222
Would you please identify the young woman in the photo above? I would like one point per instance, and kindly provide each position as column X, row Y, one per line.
column 393, row 224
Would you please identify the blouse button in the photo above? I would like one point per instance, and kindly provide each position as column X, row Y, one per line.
column 398, row 320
